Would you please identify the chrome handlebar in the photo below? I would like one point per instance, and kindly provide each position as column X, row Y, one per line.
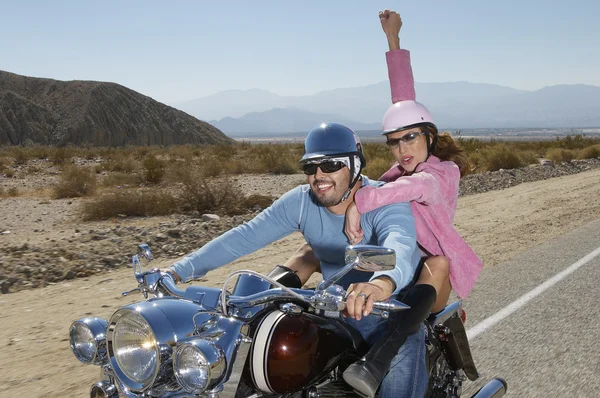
column 328, row 298
column 159, row 284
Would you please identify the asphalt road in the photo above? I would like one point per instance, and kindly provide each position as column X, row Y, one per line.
column 550, row 347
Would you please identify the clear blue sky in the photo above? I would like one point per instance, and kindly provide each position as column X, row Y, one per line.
column 179, row 50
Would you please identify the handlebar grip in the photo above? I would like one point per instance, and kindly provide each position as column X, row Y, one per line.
column 390, row 305
column 167, row 282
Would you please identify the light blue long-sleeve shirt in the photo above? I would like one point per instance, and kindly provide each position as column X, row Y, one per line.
column 390, row 226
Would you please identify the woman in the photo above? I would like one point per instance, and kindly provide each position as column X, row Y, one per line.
column 426, row 173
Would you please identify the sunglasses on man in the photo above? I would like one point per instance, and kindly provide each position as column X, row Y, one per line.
column 408, row 139
column 326, row 167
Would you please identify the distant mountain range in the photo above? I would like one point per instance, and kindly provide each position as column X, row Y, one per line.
column 53, row 112
column 457, row 105
column 282, row 120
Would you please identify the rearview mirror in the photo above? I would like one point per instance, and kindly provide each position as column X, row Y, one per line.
column 370, row 258
column 363, row 258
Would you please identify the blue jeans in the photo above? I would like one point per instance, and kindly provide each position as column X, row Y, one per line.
column 407, row 377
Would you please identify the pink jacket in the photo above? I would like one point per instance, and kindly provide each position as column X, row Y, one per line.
column 432, row 191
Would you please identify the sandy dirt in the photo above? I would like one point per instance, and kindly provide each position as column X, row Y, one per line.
column 35, row 358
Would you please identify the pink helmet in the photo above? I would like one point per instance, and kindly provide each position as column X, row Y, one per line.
column 405, row 114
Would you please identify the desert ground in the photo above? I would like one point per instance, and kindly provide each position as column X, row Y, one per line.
column 35, row 358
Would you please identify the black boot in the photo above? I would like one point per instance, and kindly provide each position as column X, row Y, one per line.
column 366, row 374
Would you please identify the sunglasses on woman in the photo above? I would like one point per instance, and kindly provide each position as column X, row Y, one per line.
column 408, row 139
column 326, row 167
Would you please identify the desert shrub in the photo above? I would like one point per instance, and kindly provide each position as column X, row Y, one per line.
column 62, row 155
column 12, row 191
column 559, row 155
column 590, row 152
column 40, row 152
column 374, row 151
column 223, row 152
column 4, row 162
column 75, row 182
column 243, row 145
column 470, row 145
column 141, row 152
column 89, row 154
column 130, row 202
column 21, row 156
column 377, row 167
column 235, row 167
column 117, row 178
column 9, row 173
column 273, row 159
column 500, row 157
column 201, row 194
column 573, row 142
column 125, row 165
column 528, row 157
column 181, row 152
column 154, row 169
column 282, row 165
column 213, row 167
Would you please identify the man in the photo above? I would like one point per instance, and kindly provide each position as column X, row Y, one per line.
column 333, row 160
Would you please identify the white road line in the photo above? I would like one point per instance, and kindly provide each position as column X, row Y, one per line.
column 524, row 299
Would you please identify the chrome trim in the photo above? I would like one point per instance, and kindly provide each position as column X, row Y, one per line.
column 337, row 276
column 371, row 258
column 232, row 336
column 367, row 258
column 291, row 309
column 217, row 364
column 290, row 292
column 145, row 252
column 171, row 320
column 496, row 387
column 98, row 327
column 236, row 367
column 167, row 283
column 267, row 296
column 107, row 389
column 390, row 305
column 450, row 310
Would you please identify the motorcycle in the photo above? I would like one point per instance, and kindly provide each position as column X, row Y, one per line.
column 263, row 339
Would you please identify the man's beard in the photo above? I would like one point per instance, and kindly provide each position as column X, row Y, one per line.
column 332, row 198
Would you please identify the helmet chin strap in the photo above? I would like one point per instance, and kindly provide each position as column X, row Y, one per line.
column 355, row 178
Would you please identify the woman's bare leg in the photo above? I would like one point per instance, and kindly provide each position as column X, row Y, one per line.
column 436, row 272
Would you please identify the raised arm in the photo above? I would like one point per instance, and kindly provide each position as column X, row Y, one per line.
column 402, row 83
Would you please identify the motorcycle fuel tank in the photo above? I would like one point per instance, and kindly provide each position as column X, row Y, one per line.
column 290, row 352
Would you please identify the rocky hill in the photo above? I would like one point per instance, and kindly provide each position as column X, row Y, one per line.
column 53, row 112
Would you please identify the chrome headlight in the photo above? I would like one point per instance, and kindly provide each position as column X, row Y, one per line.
column 135, row 348
column 141, row 338
column 199, row 365
column 87, row 337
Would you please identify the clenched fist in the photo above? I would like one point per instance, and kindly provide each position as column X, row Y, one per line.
column 391, row 23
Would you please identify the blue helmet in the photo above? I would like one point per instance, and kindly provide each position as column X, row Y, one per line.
column 334, row 140
column 329, row 140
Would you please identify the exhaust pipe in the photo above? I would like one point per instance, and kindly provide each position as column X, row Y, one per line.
column 496, row 387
